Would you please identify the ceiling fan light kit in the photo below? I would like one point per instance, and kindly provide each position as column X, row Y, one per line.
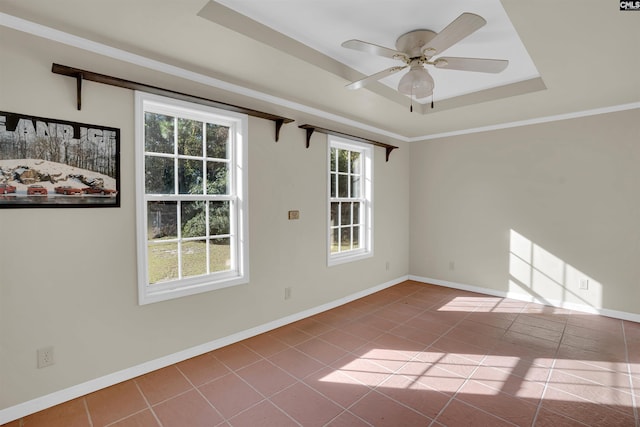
column 417, row 82
column 417, row 48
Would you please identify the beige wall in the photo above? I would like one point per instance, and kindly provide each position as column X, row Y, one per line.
column 68, row 276
column 533, row 210
column 529, row 210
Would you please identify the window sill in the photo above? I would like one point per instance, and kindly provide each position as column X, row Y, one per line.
column 163, row 292
column 346, row 257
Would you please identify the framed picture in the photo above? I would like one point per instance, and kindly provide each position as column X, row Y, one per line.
column 49, row 163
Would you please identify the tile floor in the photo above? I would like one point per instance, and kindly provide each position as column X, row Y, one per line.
column 411, row 355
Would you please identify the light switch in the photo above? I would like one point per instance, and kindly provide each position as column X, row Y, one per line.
column 294, row 214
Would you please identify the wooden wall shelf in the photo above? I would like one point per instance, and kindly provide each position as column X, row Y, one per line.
column 310, row 129
column 81, row 75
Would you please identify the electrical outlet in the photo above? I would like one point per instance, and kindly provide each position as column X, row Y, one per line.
column 452, row 265
column 45, row 357
column 584, row 284
column 387, row 265
column 287, row 293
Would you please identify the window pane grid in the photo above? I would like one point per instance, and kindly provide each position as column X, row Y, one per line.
column 194, row 167
column 345, row 194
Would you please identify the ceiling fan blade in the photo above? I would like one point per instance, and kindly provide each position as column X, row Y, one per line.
column 471, row 64
column 374, row 49
column 461, row 27
column 373, row 77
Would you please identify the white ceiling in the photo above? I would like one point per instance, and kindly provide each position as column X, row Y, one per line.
column 585, row 53
column 324, row 24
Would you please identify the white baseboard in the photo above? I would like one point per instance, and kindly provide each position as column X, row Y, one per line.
column 633, row 317
column 38, row 404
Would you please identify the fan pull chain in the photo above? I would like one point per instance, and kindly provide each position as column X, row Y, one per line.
column 411, row 102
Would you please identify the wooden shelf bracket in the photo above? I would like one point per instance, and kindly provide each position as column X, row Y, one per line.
column 81, row 75
column 310, row 129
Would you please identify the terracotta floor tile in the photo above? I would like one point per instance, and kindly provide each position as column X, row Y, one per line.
column 388, row 358
column 449, row 318
column 362, row 329
column 401, row 356
column 290, row 335
column 513, row 385
column 347, row 419
column 417, row 335
column 202, row 369
column 189, row 409
column 236, row 356
column 68, row 414
column 533, row 342
column 414, row 394
column 141, row 419
column 331, row 318
column 433, row 377
column 343, row 340
column 594, row 334
column 266, row 377
column 470, row 325
column 340, row 388
column 456, row 364
column 587, row 412
column 364, row 371
column 535, row 331
column 377, row 322
column 381, row 411
column 633, row 353
column 265, row 345
column 496, row 320
column 312, row 327
column 14, row 423
column 550, row 322
column 428, row 325
column 607, row 345
column 306, row 406
column 398, row 344
column 321, row 350
column 114, row 403
column 471, row 338
column 547, row 418
column 163, row 384
column 505, row 406
column 230, row 395
column 458, row 413
column 264, row 414
column 584, row 375
column 450, row 345
column 592, row 321
column 398, row 313
column 296, row 363
column 592, row 392
column 602, row 358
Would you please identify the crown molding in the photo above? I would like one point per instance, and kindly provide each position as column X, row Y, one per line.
column 546, row 119
column 52, row 34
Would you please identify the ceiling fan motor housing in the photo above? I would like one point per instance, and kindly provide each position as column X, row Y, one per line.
column 412, row 42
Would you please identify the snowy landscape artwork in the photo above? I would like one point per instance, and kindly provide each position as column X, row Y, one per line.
column 57, row 163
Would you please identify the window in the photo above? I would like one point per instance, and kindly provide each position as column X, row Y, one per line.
column 350, row 201
column 191, row 198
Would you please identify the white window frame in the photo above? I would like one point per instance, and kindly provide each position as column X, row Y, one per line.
column 239, row 272
column 366, row 211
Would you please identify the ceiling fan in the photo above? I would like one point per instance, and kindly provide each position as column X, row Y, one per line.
column 418, row 48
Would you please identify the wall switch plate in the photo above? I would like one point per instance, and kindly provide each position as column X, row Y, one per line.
column 287, row 293
column 294, row 214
